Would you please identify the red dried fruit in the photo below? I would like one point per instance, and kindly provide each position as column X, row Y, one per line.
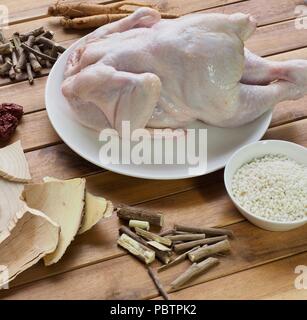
column 10, row 115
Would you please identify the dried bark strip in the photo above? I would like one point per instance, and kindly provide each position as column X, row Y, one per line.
column 191, row 244
column 187, row 237
column 207, row 231
column 204, row 252
column 194, row 270
column 176, row 261
column 151, row 236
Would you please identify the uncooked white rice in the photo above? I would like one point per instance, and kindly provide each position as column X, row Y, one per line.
column 273, row 187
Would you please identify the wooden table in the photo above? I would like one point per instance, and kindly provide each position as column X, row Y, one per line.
column 262, row 263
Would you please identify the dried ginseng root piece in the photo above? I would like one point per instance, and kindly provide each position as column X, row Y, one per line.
column 96, row 208
column 32, row 235
column 10, row 203
column 13, row 163
column 62, row 202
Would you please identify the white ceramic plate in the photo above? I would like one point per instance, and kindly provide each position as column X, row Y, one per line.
column 222, row 143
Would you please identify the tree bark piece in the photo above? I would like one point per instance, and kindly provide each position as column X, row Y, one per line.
column 162, row 256
column 194, row 270
column 187, row 237
column 132, row 213
column 177, row 260
column 157, row 283
column 191, row 244
column 151, row 236
column 136, row 248
column 207, row 231
column 139, row 224
column 206, row 251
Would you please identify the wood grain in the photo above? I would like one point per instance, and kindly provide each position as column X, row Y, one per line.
column 125, row 278
column 66, row 167
column 275, row 10
column 202, row 200
column 35, row 131
column 270, row 281
column 25, row 10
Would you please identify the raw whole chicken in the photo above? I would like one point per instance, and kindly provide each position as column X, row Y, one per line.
column 168, row 73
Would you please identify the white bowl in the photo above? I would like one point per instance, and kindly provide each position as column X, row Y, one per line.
column 259, row 149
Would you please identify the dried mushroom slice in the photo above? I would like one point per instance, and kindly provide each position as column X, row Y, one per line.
column 96, row 208
column 10, row 203
column 32, row 236
column 62, row 202
column 13, row 163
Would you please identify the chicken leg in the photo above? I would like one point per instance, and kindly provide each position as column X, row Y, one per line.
column 253, row 100
column 259, row 71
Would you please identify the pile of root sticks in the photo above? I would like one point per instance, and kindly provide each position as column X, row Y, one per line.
column 199, row 245
column 23, row 56
column 92, row 15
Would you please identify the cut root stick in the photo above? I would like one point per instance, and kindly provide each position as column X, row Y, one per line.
column 187, row 237
column 207, row 231
column 176, row 261
column 206, row 251
column 143, row 253
column 161, row 255
column 151, row 236
column 194, row 270
column 132, row 213
column 191, row 244
column 157, row 283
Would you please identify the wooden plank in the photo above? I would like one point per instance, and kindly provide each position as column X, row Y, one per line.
column 99, row 244
column 274, row 280
column 202, row 200
column 35, row 131
column 125, row 278
column 60, row 161
column 32, row 98
column 264, row 12
column 65, row 163
column 25, row 10
column 289, row 111
column 267, row 40
column 23, row 93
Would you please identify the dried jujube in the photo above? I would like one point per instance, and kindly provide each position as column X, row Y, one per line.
column 10, row 116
